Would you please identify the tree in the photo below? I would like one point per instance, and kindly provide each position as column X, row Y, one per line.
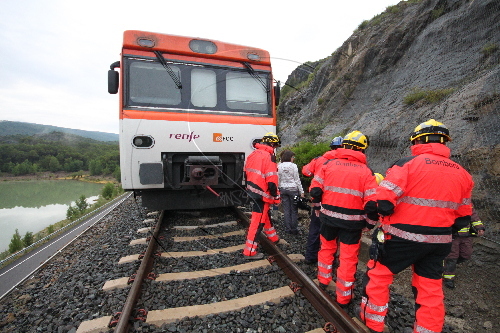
column 71, row 213
column 28, row 239
column 81, row 204
column 107, row 191
column 16, row 243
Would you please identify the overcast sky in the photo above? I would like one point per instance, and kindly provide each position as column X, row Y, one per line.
column 55, row 54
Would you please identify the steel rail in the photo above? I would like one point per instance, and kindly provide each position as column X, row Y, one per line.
column 135, row 291
column 319, row 299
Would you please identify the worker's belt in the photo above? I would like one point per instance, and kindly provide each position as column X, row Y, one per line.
column 416, row 237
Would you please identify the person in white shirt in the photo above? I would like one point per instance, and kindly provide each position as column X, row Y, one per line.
column 290, row 186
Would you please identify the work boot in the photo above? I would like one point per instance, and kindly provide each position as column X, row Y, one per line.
column 449, row 283
column 323, row 286
column 258, row 256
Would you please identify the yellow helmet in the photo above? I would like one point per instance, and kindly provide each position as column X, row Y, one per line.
column 379, row 177
column 270, row 137
column 431, row 131
column 355, row 140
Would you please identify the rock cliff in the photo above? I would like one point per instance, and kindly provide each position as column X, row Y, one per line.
column 419, row 59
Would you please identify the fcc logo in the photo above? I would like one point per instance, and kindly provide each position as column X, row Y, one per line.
column 218, row 137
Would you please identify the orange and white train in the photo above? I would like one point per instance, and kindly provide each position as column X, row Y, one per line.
column 190, row 111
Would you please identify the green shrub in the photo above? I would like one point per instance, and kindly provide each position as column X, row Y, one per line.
column 437, row 13
column 107, row 191
column 428, row 96
column 489, row 49
column 28, row 239
column 363, row 25
column 16, row 243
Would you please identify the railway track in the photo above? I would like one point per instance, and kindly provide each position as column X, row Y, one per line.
column 191, row 267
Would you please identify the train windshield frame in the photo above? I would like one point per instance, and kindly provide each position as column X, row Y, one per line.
column 205, row 88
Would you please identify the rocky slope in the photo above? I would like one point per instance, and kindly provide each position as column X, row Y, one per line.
column 418, row 60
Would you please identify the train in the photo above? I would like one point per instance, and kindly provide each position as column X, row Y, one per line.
column 190, row 112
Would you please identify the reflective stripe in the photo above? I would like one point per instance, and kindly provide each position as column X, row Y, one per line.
column 344, row 190
column 250, row 249
column 271, row 232
column 372, row 222
column 316, row 204
column 263, row 175
column 477, row 223
column 370, row 192
column 345, row 283
column 343, row 292
column 376, row 308
column 429, row 203
column 391, row 186
column 325, row 275
column 467, row 201
column 342, row 216
column 320, row 264
column 257, row 191
column 374, row 317
column 255, row 171
column 416, row 237
column 449, row 276
column 421, row 329
column 318, row 179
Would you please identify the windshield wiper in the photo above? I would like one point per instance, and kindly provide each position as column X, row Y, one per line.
column 170, row 72
column 256, row 76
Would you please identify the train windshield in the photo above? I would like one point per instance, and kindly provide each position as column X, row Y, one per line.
column 204, row 88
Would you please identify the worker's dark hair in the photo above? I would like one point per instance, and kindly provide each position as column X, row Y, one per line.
column 286, row 156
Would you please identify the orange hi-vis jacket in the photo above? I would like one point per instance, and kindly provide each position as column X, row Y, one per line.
column 262, row 174
column 343, row 185
column 424, row 195
column 315, row 164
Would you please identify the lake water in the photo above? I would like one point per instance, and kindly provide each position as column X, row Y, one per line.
column 34, row 205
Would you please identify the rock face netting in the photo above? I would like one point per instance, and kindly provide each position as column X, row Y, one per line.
column 418, row 60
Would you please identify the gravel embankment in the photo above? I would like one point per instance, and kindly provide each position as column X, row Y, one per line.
column 69, row 289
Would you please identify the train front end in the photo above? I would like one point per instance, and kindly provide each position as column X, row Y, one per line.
column 190, row 111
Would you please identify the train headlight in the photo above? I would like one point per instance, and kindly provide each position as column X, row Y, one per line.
column 143, row 141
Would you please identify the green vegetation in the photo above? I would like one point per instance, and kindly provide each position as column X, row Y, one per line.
column 56, row 151
column 428, row 96
column 305, row 151
column 310, row 131
column 437, row 13
column 489, row 49
column 82, row 208
column 16, row 243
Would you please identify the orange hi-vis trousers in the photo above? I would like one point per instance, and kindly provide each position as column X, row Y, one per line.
column 430, row 311
column 346, row 271
column 260, row 221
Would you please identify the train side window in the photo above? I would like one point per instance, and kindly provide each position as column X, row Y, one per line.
column 203, row 88
column 151, row 84
column 245, row 92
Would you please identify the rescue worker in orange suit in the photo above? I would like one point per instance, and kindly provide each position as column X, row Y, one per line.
column 461, row 248
column 421, row 200
column 262, row 186
column 343, row 185
column 308, row 170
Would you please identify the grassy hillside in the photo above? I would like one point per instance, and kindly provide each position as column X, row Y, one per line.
column 8, row 128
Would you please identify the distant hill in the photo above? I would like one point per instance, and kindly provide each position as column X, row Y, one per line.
column 21, row 128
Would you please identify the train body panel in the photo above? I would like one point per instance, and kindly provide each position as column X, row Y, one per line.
column 190, row 111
